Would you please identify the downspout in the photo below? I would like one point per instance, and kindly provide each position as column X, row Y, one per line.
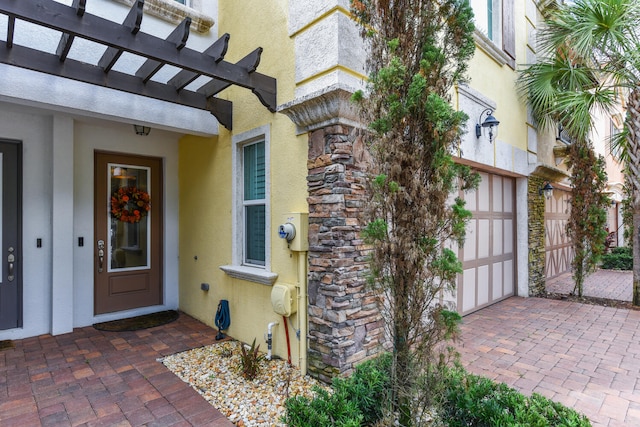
column 302, row 311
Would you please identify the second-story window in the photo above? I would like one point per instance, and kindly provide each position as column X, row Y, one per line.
column 486, row 18
column 495, row 20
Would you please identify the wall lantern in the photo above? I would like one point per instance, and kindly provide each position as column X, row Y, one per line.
column 547, row 190
column 141, row 130
column 489, row 122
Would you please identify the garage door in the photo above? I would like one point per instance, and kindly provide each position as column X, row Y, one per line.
column 488, row 255
column 557, row 247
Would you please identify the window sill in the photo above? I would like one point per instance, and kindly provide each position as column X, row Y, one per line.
column 491, row 49
column 175, row 12
column 250, row 274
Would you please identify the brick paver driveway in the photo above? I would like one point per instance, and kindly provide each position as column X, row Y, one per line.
column 585, row 356
column 611, row 284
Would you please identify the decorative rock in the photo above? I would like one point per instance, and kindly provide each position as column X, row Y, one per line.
column 217, row 377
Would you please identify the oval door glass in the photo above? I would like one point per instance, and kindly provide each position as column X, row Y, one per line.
column 130, row 217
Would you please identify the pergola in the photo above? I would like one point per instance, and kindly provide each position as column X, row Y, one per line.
column 73, row 22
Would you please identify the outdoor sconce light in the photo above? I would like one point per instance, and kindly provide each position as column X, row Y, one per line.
column 547, row 190
column 489, row 122
column 141, row 130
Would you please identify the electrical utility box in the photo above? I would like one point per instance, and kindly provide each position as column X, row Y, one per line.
column 284, row 299
column 296, row 226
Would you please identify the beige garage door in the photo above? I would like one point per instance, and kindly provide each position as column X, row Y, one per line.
column 557, row 247
column 488, row 255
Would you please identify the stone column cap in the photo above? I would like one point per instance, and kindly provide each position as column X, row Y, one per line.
column 329, row 106
column 550, row 173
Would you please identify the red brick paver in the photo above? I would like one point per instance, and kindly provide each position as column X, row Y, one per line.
column 93, row 378
column 585, row 356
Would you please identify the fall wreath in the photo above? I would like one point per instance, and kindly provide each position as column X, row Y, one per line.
column 130, row 204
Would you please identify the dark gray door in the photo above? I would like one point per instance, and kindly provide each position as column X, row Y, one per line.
column 10, row 235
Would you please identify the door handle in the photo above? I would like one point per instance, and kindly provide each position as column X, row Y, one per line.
column 100, row 255
column 11, row 259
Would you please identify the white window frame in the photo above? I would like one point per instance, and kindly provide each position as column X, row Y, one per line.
column 496, row 22
column 614, row 129
column 174, row 11
column 239, row 268
column 247, row 203
column 492, row 46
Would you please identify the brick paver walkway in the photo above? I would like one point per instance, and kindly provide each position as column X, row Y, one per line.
column 585, row 356
column 93, row 378
column 610, row 284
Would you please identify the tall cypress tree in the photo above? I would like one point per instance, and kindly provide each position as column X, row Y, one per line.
column 586, row 225
column 418, row 52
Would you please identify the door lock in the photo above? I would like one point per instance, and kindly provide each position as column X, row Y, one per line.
column 100, row 255
column 11, row 259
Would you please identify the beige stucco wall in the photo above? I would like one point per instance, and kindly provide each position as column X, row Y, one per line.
column 206, row 215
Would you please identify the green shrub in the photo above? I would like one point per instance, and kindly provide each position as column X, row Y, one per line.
column 354, row 401
column 469, row 400
column 620, row 258
column 476, row 401
column 326, row 409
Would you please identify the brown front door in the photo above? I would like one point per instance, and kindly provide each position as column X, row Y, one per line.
column 128, row 232
column 10, row 235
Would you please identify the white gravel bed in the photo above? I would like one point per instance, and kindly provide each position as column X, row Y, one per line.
column 215, row 372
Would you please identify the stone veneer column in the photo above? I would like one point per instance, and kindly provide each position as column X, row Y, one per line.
column 536, row 206
column 345, row 326
column 344, row 323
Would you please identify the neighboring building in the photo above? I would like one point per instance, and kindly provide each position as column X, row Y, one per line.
column 550, row 249
column 221, row 185
column 608, row 126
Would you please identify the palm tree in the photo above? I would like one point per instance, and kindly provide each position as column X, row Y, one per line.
column 589, row 54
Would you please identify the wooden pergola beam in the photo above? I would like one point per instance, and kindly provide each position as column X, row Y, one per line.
column 133, row 22
column 37, row 60
column 249, row 63
column 11, row 28
column 52, row 14
column 217, row 51
column 178, row 37
column 66, row 40
column 73, row 22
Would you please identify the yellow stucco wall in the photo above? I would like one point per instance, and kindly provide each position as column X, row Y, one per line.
column 498, row 83
column 206, row 165
column 206, row 174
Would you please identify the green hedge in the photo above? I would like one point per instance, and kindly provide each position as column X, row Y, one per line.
column 620, row 258
column 477, row 401
column 469, row 400
column 354, row 401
